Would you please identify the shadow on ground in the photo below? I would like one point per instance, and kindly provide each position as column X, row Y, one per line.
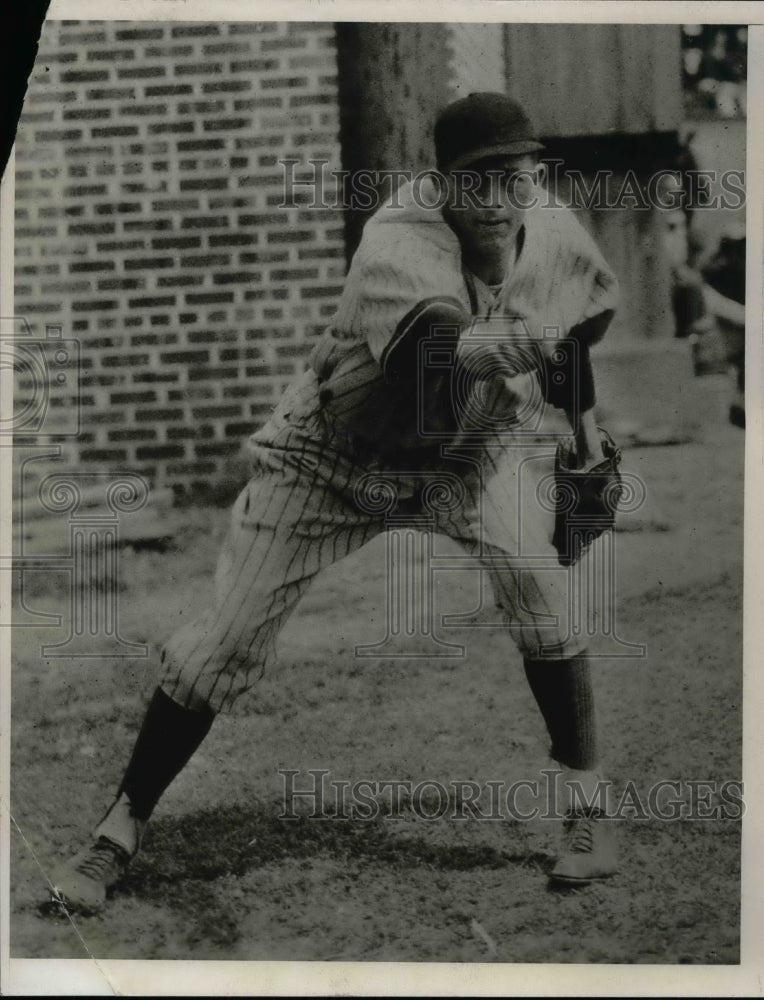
column 185, row 862
column 211, row 844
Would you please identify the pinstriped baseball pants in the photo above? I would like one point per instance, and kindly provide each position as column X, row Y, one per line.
column 300, row 513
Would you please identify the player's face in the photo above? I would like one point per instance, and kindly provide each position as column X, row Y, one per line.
column 489, row 199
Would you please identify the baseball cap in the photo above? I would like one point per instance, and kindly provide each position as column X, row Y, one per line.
column 481, row 125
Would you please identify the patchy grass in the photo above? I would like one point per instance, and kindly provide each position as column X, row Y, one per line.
column 222, row 876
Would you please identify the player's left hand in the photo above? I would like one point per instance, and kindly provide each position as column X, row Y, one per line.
column 587, row 442
column 586, row 498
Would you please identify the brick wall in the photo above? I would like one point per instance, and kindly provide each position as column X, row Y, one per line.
column 148, row 227
column 148, row 224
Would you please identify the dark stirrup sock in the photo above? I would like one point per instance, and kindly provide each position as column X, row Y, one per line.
column 168, row 737
column 563, row 691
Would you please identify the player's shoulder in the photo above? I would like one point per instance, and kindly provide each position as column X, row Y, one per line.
column 406, row 232
column 560, row 234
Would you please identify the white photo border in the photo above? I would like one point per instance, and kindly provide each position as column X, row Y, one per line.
column 29, row 977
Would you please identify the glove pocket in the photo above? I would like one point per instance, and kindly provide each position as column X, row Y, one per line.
column 586, row 502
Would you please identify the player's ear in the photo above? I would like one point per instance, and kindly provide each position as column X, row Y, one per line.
column 540, row 173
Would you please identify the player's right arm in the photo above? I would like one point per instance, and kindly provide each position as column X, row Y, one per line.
column 399, row 293
column 397, row 402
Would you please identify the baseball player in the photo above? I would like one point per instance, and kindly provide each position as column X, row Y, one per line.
column 490, row 257
column 708, row 295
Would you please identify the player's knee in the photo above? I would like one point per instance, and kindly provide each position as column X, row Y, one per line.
column 552, row 649
column 191, row 648
column 184, row 693
column 196, row 677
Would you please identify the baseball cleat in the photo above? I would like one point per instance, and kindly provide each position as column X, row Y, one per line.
column 81, row 885
column 590, row 852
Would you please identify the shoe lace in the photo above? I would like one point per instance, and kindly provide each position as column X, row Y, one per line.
column 581, row 834
column 103, row 860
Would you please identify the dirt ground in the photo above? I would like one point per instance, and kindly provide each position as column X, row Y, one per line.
column 222, row 877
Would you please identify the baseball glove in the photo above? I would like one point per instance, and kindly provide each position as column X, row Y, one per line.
column 585, row 500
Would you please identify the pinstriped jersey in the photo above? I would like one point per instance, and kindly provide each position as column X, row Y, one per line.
column 411, row 254
column 408, row 256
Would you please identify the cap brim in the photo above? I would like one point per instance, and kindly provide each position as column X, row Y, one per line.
column 506, row 149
